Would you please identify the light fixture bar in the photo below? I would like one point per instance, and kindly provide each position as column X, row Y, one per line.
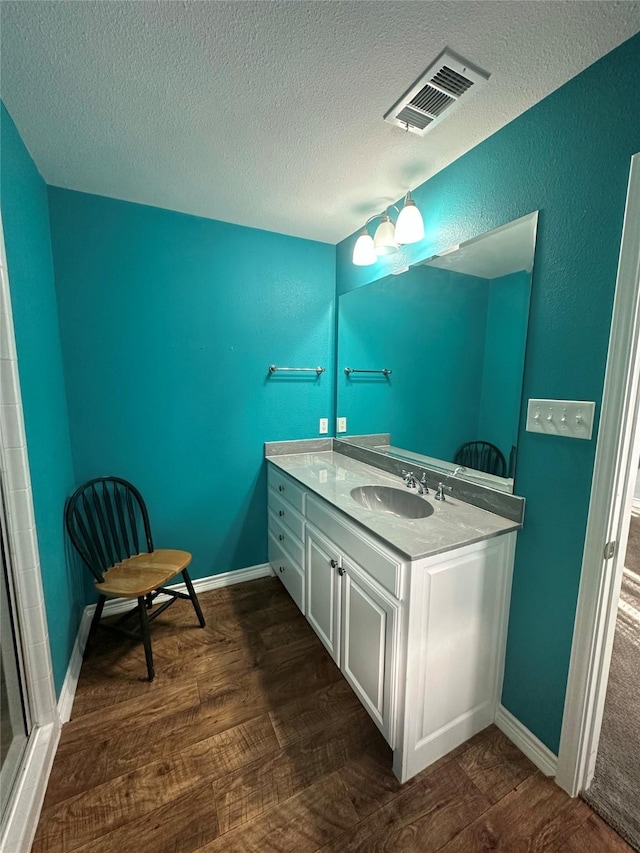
column 388, row 237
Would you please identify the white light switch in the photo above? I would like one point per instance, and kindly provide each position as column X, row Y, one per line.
column 570, row 418
column 342, row 425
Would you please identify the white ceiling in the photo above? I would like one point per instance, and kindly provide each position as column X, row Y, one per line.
column 269, row 114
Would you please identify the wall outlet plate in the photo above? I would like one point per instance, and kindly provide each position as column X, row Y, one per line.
column 323, row 429
column 341, row 425
column 568, row 418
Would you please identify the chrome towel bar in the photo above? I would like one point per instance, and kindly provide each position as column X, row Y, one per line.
column 318, row 370
column 385, row 371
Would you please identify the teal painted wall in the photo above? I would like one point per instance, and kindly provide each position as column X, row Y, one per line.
column 568, row 157
column 169, row 323
column 25, row 219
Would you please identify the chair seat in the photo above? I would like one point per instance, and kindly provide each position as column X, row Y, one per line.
column 139, row 575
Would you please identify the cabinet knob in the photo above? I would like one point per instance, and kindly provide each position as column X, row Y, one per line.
column 281, row 537
column 281, row 488
column 333, row 563
column 280, row 512
column 281, row 568
column 341, row 570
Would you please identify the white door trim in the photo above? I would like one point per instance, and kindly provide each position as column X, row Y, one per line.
column 21, row 815
column 617, row 453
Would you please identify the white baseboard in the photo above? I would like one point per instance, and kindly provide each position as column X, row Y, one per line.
column 65, row 701
column 526, row 741
column 25, row 805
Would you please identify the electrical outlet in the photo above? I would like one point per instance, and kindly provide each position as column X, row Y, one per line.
column 324, row 426
column 342, row 425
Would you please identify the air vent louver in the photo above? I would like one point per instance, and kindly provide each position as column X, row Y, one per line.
column 414, row 118
column 431, row 100
column 452, row 81
column 436, row 93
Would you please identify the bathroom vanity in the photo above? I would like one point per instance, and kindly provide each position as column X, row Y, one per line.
column 413, row 610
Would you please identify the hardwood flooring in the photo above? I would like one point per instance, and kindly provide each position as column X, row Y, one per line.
column 250, row 741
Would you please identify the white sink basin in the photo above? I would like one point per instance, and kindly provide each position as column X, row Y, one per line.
column 392, row 501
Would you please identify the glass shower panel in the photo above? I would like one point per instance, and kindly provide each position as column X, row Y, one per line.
column 14, row 724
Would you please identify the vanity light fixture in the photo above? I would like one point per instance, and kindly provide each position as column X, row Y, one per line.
column 364, row 253
column 409, row 228
column 384, row 240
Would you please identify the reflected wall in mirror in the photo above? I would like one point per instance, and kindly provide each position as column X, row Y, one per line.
column 452, row 331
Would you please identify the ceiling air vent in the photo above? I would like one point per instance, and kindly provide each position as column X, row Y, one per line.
column 436, row 93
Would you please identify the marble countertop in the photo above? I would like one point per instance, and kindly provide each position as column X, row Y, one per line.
column 453, row 523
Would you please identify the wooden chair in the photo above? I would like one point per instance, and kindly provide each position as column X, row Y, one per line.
column 482, row 456
column 107, row 521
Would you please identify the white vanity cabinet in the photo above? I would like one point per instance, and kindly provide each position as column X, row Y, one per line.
column 358, row 623
column 420, row 641
column 286, row 534
column 370, row 638
column 324, row 590
column 452, row 661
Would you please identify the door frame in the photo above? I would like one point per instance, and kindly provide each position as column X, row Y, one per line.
column 615, row 467
column 21, row 815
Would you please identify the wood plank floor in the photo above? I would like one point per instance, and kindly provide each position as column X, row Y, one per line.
column 249, row 739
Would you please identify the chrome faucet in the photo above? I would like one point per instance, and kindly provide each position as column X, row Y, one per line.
column 412, row 482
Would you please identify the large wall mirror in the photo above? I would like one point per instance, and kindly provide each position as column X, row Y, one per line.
column 452, row 332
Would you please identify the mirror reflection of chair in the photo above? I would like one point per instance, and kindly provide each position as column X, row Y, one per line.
column 107, row 522
column 482, row 456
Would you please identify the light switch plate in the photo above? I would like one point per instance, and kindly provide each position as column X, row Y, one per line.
column 568, row 418
column 341, row 425
column 324, row 426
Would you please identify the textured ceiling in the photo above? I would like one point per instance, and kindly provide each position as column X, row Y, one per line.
column 269, row 114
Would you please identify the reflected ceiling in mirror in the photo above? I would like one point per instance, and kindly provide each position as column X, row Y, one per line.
column 450, row 332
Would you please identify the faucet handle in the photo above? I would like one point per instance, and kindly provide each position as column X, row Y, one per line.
column 439, row 495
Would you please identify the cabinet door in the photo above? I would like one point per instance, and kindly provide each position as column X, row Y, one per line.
column 369, row 629
column 323, row 591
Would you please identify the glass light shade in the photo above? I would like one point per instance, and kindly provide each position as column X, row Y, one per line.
column 363, row 252
column 384, row 240
column 409, row 227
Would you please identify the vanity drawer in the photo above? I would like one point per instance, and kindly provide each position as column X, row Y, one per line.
column 285, row 569
column 286, row 488
column 381, row 565
column 282, row 534
column 285, row 514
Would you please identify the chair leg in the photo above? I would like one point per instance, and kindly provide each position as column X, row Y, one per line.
column 193, row 597
column 95, row 621
column 149, row 600
column 146, row 637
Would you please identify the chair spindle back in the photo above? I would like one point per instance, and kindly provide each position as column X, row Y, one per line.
column 482, row 456
column 107, row 522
